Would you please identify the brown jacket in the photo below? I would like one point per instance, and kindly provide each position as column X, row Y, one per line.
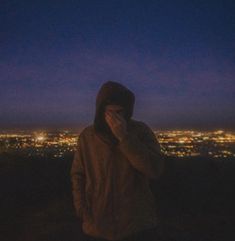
column 110, row 183
column 110, row 178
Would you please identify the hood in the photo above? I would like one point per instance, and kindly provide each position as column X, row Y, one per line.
column 112, row 93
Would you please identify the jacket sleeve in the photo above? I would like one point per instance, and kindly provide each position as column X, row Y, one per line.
column 143, row 152
column 77, row 175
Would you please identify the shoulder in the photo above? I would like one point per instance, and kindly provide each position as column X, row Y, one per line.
column 86, row 132
column 84, row 135
column 139, row 125
column 144, row 131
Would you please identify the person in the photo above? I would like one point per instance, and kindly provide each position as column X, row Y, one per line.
column 114, row 160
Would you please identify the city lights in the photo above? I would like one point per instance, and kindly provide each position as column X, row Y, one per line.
column 40, row 138
column 177, row 143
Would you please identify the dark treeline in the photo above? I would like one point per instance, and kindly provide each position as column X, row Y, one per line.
column 194, row 196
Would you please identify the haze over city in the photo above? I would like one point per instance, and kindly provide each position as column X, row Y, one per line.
column 177, row 58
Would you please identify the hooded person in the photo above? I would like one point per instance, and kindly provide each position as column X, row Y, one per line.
column 110, row 177
column 112, row 93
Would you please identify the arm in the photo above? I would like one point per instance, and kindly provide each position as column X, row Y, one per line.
column 78, row 181
column 144, row 152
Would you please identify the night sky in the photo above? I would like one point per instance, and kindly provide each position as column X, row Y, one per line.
column 178, row 57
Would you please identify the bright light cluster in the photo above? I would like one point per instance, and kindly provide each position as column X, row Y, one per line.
column 178, row 143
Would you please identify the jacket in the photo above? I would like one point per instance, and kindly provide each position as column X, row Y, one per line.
column 110, row 181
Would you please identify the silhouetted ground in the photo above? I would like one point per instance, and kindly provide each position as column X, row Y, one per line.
column 195, row 199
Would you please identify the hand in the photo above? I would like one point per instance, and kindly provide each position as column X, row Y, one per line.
column 117, row 124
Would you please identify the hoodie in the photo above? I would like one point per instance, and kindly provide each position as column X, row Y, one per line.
column 112, row 93
column 110, row 179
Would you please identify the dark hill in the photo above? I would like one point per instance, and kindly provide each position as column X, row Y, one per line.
column 195, row 197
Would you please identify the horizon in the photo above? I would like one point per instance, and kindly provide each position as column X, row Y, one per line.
column 79, row 129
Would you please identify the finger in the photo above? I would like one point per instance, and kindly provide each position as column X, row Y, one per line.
column 109, row 122
column 109, row 116
column 115, row 118
column 119, row 117
column 110, row 119
column 112, row 116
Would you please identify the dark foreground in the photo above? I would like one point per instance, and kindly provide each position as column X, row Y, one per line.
column 195, row 199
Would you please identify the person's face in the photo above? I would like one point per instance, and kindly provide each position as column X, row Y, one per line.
column 114, row 109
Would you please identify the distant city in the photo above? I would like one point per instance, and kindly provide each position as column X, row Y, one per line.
column 177, row 143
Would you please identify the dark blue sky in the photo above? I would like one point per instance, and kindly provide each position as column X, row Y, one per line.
column 177, row 56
